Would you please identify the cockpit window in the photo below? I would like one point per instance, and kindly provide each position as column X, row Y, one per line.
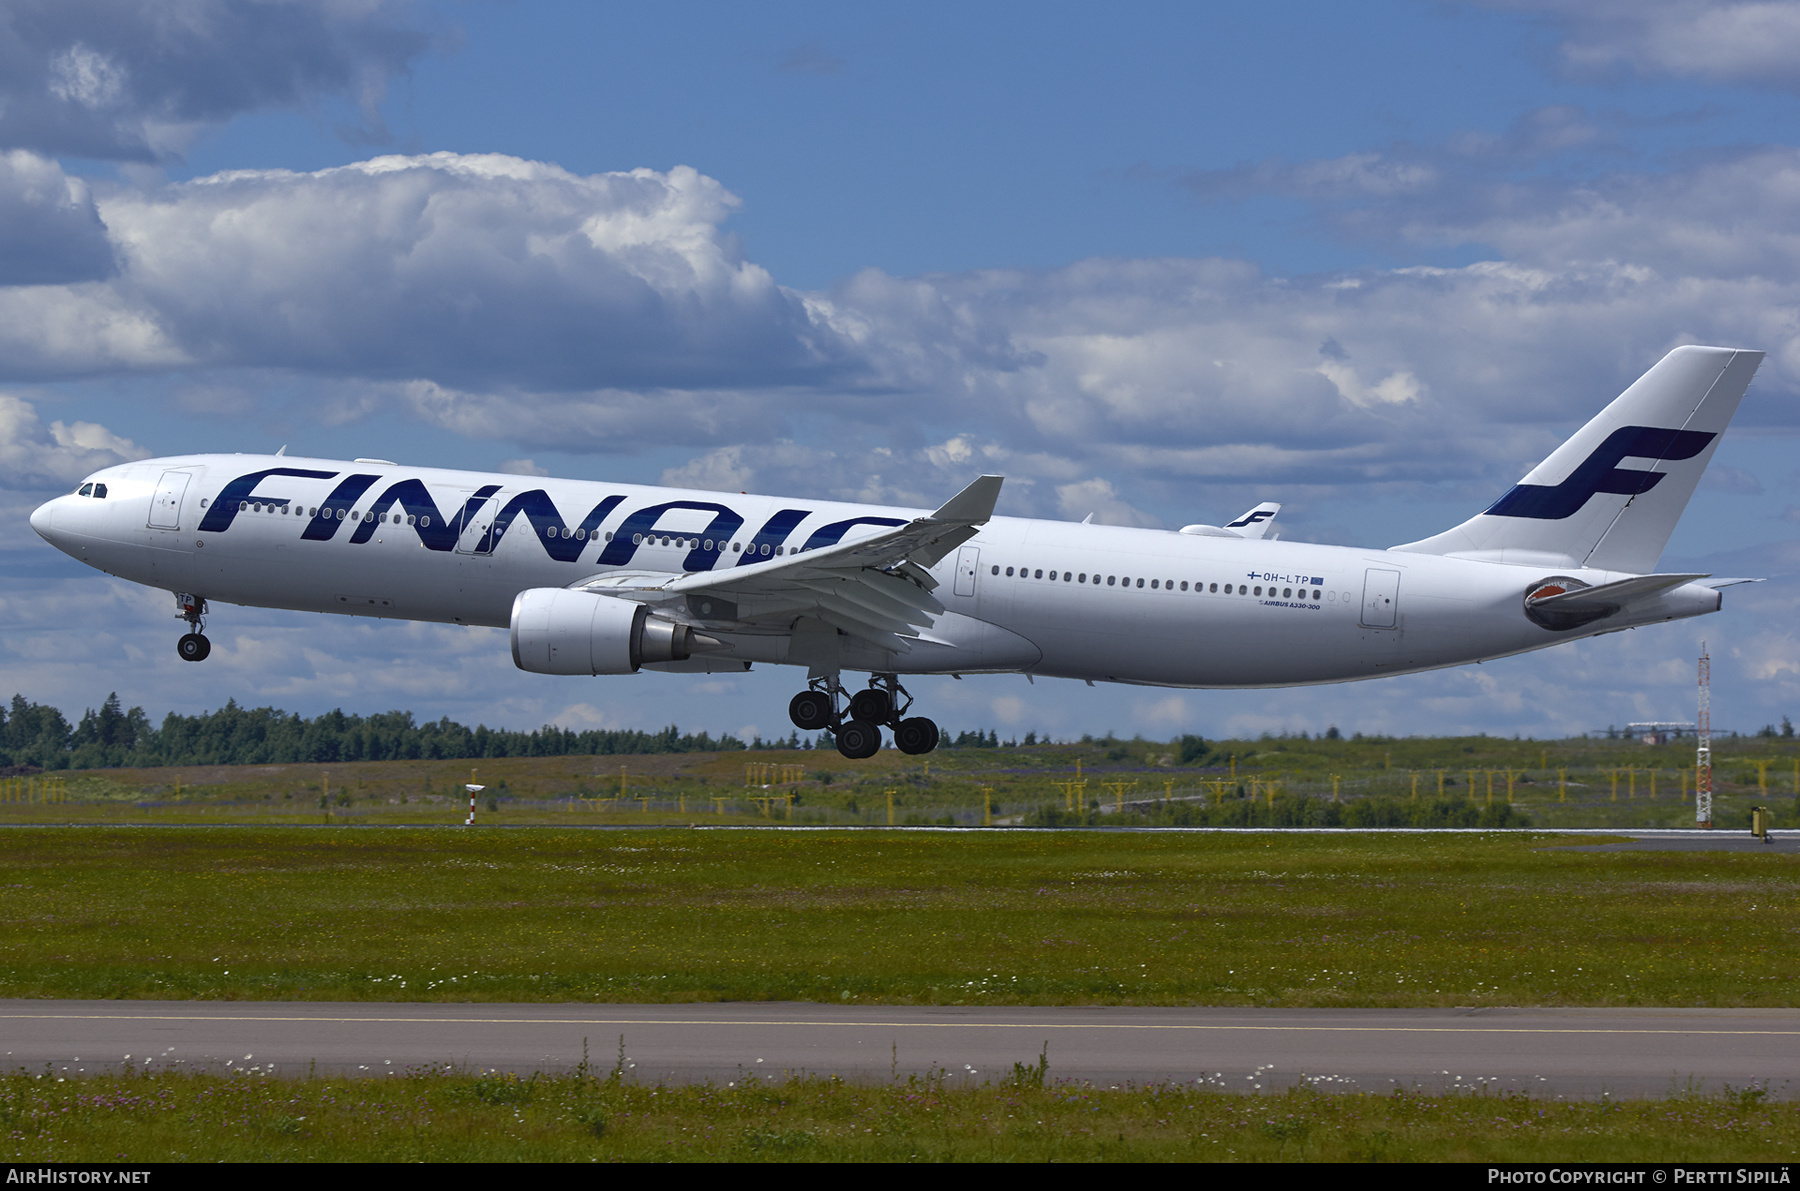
column 85, row 490
column 99, row 491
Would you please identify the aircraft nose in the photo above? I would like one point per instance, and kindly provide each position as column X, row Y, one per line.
column 43, row 519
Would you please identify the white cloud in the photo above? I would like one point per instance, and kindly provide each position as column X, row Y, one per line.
column 137, row 80
column 50, row 230
column 478, row 271
column 33, row 455
column 81, row 75
column 1755, row 43
column 1098, row 498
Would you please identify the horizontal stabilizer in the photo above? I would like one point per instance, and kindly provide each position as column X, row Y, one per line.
column 1610, row 597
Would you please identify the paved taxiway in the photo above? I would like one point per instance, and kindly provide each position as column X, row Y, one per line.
column 1547, row 1052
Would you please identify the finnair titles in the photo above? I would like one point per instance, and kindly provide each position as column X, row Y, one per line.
column 612, row 579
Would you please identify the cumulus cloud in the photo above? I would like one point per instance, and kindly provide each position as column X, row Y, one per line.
column 135, row 80
column 1748, row 42
column 513, row 301
column 33, row 455
column 50, row 230
column 483, row 270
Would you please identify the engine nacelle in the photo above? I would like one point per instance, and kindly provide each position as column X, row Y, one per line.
column 559, row 631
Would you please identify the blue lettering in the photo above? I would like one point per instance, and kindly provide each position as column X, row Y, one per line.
column 831, row 535
column 225, row 506
column 541, row 513
column 442, row 533
column 773, row 533
column 721, row 528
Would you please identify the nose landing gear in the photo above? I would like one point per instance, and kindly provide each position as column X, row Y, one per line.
column 858, row 734
column 193, row 646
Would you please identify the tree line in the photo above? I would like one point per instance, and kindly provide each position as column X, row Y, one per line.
column 38, row 736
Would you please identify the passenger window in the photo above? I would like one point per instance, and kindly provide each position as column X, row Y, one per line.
column 996, row 570
column 1184, row 585
column 1215, row 587
column 1037, row 574
column 1140, row 582
column 1153, row 584
column 1109, row 580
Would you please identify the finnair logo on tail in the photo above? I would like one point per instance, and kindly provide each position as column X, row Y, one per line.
column 1251, row 518
column 1600, row 472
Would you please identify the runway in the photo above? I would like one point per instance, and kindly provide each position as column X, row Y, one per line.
column 1545, row 1052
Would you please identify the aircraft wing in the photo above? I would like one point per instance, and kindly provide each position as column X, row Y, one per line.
column 876, row 588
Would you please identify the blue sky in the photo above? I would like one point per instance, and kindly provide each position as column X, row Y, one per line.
column 1153, row 262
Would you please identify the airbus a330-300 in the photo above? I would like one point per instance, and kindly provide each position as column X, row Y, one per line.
column 597, row 578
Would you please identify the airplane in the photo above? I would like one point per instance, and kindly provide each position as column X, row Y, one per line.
column 612, row 579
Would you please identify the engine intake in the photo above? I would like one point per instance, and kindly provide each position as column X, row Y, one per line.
column 559, row 631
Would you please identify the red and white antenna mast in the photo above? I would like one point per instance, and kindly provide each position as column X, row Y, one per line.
column 1703, row 754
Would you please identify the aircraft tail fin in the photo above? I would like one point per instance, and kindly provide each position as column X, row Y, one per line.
column 1610, row 496
column 1256, row 522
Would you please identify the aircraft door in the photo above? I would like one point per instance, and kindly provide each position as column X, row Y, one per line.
column 1381, row 598
column 968, row 562
column 474, row 537
column 165, row 505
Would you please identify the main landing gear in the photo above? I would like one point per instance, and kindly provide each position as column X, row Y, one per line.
column 193, row 646
column 858, row 734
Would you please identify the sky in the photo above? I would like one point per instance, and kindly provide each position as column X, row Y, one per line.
column 1152, row 262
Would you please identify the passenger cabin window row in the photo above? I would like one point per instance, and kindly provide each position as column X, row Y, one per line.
column 286, row 508
column 1286, row 593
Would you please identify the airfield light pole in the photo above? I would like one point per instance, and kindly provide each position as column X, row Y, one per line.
column 473, row 790
column 1703, row 754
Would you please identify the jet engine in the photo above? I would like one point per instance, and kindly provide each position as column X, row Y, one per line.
column 559, row 631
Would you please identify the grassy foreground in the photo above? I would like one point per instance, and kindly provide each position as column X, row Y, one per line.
column 1292, row 919
column 460, row 1117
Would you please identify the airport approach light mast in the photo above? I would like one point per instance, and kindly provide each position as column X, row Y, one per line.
column 1703, row 754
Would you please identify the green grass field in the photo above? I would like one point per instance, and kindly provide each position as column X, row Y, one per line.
column 658, row 915
column 462, row 1117
column 1581, row 782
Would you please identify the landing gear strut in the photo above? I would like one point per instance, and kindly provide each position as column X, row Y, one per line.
column 193, row 646
column 884, row 703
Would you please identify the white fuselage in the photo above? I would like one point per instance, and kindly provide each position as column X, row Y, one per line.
column 1043, row 597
